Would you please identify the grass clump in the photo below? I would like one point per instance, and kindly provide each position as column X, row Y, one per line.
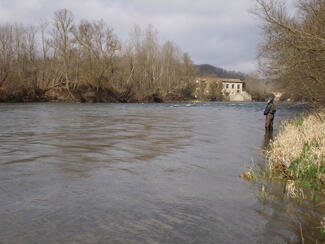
column 298, row 154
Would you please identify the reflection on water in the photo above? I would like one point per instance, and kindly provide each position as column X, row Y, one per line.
column 138, row 173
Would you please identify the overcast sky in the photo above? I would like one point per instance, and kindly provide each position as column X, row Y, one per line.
column 218, row 32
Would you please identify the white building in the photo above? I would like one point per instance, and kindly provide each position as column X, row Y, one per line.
column 232, row 88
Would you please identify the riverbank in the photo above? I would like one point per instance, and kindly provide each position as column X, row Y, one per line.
column 87, row 94
column 294, row 173
column 297, row 154
column 296, row 157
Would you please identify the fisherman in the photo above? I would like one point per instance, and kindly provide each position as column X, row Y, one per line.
column 269, row 113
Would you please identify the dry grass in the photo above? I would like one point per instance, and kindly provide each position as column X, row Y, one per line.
column 294, row 136
column 300, row 149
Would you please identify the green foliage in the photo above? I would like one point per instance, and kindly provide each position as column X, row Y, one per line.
column 253, row 175
column 299, row 122
column 322, row 233
column 305, row 171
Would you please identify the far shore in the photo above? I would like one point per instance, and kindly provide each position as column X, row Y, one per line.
column 91, row 95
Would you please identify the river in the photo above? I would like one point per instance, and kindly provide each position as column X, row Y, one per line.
column 138, row 173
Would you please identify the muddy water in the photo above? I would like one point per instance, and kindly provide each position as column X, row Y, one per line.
column 138, row 173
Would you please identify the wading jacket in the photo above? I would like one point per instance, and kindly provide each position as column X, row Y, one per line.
column 270, row 109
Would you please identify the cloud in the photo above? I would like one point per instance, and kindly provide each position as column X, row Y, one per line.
column 217, row 32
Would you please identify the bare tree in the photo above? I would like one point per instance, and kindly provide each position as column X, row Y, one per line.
column 62, row 41
column 7, row 52
column 67, row 60
column 293, row 50
column 99, row 48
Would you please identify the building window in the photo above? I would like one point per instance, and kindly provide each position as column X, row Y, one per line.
column 233, row 86
column 238, row 86
column 227, row 86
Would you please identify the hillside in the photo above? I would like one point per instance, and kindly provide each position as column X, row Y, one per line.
column 210, row 70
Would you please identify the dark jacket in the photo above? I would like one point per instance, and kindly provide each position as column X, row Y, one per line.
column 270, row 109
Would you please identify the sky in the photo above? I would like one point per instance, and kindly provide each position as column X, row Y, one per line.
column 222, row 33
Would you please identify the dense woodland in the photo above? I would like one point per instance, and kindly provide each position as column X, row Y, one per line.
column 67, row 61
column 293, row 51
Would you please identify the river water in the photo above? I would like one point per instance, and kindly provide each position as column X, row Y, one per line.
column 138, row 173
